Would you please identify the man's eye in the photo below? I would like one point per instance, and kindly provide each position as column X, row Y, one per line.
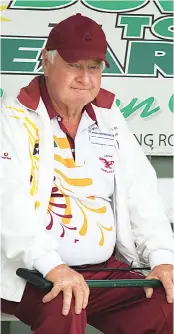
column 73, row 65
column 94, row 67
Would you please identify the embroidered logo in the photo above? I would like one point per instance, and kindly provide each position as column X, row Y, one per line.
column 5, row 156
column 87, row 37
column 108, row 163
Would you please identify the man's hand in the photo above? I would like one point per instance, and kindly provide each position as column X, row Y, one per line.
column 70, row 283
column 164, row 273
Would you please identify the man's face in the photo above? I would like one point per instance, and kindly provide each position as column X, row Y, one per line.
column 73, row 84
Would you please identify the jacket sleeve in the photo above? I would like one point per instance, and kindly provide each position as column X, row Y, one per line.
column 152, row 232
column 23, row 237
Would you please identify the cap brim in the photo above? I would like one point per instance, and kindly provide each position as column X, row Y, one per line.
column 72, row 56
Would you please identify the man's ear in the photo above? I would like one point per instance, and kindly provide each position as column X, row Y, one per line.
column 45, row 61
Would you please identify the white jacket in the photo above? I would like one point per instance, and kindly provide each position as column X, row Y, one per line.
column 143, row 232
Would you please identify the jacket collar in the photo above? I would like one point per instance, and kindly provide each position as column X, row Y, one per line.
column 29, row 96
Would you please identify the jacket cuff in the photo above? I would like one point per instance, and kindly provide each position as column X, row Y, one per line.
column 47, row 262
column 161, row 256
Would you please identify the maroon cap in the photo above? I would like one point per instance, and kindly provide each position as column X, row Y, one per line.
column 78, row 37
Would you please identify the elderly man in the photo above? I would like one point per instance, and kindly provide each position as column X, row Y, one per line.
column 66, row 154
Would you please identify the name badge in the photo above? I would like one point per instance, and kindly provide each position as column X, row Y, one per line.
column 101, row 138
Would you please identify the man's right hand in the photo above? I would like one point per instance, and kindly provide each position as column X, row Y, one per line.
column 71, row 283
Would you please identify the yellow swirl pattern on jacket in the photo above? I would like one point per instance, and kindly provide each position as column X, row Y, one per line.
column 74, row 182
column 33, row 136
column 67, row 210
column 63, row 143
column 101, row 243
column 69, row 162
column 16, row 109
column 84, row 227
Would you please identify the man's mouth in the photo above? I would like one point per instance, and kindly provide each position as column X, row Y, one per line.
column 83, row 89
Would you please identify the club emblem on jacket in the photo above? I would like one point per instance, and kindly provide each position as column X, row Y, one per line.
column 108, row 163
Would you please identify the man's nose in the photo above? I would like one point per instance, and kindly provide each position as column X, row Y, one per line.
column 84, row 76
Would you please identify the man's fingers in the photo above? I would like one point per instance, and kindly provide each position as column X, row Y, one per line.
column 52, row 294
column 166, row 278
column 148, row 292
column 67, row 297
column 78, row 294
column 168, row 286
column 85, row 296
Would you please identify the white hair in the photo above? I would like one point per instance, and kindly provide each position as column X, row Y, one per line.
column 103, row 65
column 52, row 55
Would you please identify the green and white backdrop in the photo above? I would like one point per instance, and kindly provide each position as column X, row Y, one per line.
column 140, row 37
column 140, row 50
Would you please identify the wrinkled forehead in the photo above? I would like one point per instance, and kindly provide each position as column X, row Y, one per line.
column 87, row 61
column 91, row 61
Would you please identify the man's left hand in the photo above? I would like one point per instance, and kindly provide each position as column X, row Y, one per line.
column 164, row 273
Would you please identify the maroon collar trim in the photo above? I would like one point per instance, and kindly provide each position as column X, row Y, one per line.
column 29, row 96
